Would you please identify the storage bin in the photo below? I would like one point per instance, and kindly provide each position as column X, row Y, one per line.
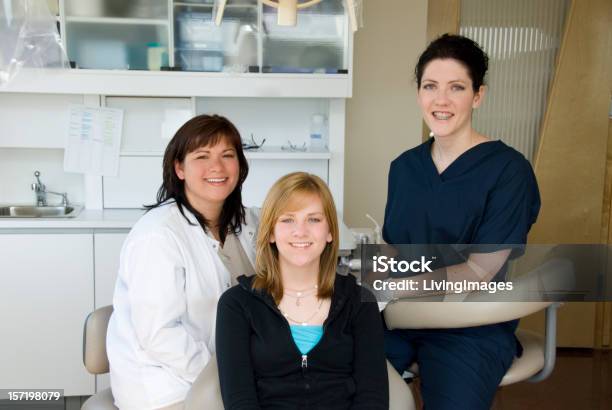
column 199, row 60
column 198, row 30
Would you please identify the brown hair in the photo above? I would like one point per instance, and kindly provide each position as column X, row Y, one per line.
column 201, row 131
column 452, row 46
column 280, row 196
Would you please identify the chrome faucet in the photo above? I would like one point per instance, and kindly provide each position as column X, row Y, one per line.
column 41, row 192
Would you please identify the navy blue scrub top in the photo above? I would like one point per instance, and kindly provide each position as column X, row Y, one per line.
column 488, row 195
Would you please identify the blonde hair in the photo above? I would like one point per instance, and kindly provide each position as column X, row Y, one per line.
column 279, row 198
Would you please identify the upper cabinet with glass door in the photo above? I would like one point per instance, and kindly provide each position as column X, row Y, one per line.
column 117, row 34
column 174, row 48
column 318, row 43
column 201, row 45
column 250, row 39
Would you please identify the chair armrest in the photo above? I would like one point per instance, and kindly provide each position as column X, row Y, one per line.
column 556, row 276
column 448, row 315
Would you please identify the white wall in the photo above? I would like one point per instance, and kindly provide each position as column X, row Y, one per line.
column 17, row 166
column 383, row 119
column 32, row 136
column 33, row 121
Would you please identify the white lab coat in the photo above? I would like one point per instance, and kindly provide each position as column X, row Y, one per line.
column 162, row 331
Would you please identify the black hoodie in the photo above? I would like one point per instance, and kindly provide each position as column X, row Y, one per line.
column 260, row 367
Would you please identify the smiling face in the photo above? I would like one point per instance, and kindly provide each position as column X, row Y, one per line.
column 301, row 233
column 446, row 97
column 210, row 175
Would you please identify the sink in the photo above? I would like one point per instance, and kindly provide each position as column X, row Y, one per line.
column 29, row 211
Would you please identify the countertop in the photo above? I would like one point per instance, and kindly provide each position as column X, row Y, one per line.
column 118, row 219
column 102, row 219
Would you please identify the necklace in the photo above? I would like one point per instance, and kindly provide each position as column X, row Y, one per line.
column 300, row 294
column 441, row 162
column 304, row 322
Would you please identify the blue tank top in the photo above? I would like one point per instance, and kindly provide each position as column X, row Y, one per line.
column 306, row 337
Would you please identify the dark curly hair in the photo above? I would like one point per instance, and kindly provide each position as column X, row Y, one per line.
column 198, row 132
column 460, row 48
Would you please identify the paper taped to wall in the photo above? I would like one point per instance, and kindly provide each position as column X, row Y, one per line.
column 93, row 140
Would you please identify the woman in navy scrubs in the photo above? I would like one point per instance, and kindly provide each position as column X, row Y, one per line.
column 458, row 187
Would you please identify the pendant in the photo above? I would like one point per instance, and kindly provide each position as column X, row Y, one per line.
column 297, row 301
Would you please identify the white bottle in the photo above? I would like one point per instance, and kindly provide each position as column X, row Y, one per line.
column 317, row 132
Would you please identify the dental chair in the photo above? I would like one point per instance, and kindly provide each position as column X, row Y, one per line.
column 94, row 356
column 205, row 392
column 538, row 358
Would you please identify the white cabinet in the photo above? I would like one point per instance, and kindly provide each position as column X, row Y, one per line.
column 50, row 283
column 46, row 293
column 107, row 247
column 151, row 34
column 122, row 45
column 107, row 34
column 107, row 250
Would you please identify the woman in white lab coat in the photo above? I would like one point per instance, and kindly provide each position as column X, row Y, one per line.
column 175, row 264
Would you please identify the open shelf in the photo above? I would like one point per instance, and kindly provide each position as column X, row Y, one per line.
column 210, row 5
column 262, row 153
column 117, row 20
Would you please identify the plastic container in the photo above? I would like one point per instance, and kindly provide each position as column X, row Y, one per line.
column 318, row 131
column 200, row 60
column 157, row 56
column 197, row 30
